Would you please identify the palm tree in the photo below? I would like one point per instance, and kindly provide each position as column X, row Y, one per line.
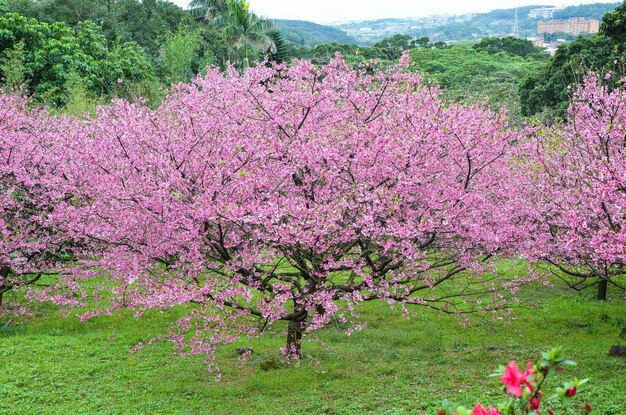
column 246, row 33
column 208, row 9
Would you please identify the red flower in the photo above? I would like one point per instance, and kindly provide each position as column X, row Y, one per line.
column 534, row 402
column 513, row 378
column 480, row 410
column 571, row 391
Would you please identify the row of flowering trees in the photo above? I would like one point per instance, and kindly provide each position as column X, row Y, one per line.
column 294, row 194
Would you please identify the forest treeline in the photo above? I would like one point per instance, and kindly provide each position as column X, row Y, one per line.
column 75, row 54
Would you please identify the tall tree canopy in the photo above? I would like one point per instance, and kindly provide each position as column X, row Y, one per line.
column 54, row 56
column 248, row 35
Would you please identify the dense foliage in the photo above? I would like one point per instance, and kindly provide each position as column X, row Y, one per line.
column 130, row 49
column 48, row 59
column 589, row 11
column 470, row 73
column 107, row 49
column 550, row 88
column 143, row 22
column 511, row 45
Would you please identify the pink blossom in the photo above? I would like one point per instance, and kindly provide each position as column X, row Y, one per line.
column 480, row 410
column 513, row 378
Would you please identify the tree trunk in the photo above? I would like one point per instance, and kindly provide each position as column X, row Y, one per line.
column 602, row 288
column 4, row 284
column 294, row 336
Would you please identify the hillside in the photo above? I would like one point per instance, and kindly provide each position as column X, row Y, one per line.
column 590, row 11
column 305, row 33
column 496, row 23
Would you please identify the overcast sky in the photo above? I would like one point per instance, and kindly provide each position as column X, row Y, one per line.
column 337, row 10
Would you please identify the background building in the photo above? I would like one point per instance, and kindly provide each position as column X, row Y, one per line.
column 574, row 26
column 544, row 13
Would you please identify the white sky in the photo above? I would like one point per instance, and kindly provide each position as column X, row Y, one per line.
column 337, row 10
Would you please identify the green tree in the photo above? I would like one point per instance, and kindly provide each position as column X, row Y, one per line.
column 127, row 71
column 391, row 48
column 208, row 9
column 511, row 45
column 469, row 74
column 13, row 68
column 281, row 51
column 177, row 56
column 145, row 22
column 549, row 89
column 56, row 58
column 247, row 35
column 70, row 11
column 324, row 52
column 421, row 42
column 614, row 26
column 213, row 49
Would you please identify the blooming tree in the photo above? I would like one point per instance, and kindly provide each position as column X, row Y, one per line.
column 31, row 244
column 572, row 191
column 286, row 194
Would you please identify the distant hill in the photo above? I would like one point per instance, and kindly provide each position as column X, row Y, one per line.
column 590, row 11
column 497, row 23
column 305, row 33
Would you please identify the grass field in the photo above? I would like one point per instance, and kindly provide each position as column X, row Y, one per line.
column 53, row 365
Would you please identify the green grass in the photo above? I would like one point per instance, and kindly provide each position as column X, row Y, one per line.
column 53, row 365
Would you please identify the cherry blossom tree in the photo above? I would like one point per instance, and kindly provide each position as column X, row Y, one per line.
column 31, row 244
column 289, row 194
column 572, row 188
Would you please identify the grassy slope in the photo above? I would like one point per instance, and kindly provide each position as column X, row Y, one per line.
column 51, row 365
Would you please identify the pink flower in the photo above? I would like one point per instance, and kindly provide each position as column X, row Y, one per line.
column 529, row 373
column 480, row 410
column 513, row 378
